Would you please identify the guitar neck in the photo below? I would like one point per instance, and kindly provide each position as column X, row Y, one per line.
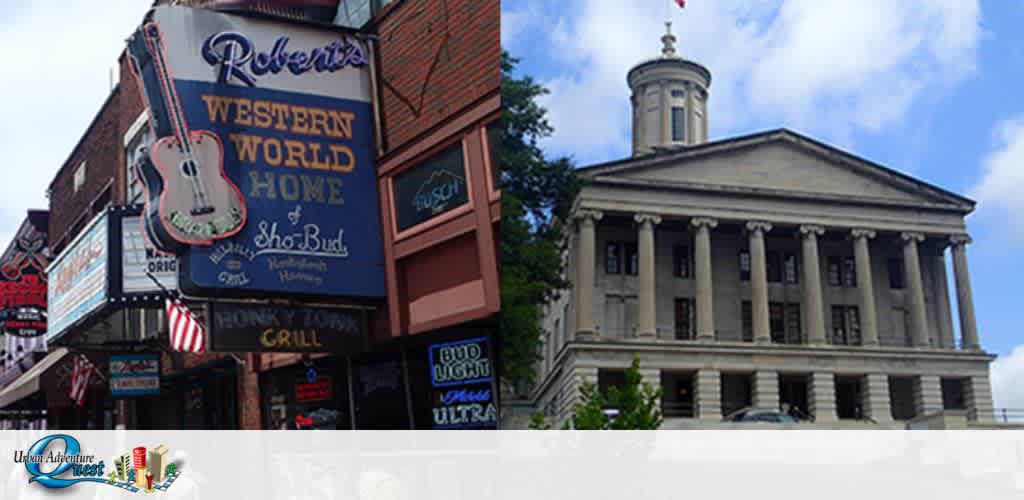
column 154, row 41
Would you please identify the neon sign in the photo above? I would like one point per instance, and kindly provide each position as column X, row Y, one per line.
column 233, row 51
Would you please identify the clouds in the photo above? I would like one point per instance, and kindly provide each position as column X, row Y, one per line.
column 830, row 68
column 1007, row 372
column 57, row 74
column 999, row 192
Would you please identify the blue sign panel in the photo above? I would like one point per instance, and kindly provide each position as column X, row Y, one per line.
column 314, row 224
column 77, row 282
column 134, row 375
column 275, row 190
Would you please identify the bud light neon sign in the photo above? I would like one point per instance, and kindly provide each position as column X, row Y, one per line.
column 238, row 58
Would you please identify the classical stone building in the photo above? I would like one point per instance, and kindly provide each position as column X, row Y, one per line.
column 769, row 270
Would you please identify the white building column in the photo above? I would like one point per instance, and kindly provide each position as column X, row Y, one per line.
column 915, row 288
column 979, row 399
column 927, row 395
column 942, row 306
column 702, row 258
column 650, row 376
column 822, row 397
column 964, row 298
column 585, row 271
column 766, row 390
column 648, row 323
column 759, row 282
column 865, row 283
column 578, row 377
column 876, row 402
column 814, row 314
column 709, row 395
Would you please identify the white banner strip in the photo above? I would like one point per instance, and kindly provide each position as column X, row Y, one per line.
column 470, row 465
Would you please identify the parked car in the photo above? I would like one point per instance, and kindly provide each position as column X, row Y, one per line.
column 756, row 415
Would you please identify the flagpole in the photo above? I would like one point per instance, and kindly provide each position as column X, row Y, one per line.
column 160, row 285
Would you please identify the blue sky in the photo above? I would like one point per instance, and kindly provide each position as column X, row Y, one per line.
column 927, row 87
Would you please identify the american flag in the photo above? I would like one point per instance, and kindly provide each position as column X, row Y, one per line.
column 187, row 334
column 81, row 373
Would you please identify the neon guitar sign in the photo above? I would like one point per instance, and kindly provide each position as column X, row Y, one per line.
column 197, row 204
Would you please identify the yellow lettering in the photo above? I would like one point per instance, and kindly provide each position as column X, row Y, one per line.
column 245, row 146
column 343, row 122
column 262, row 111
column 265, row 338
column 217, row 107
column 300, row 117
column 274, row 158
column 242, row 109
column 341, row 153
column 317, row 121
column 295, row 150
column 317, row 163
column 279, row 111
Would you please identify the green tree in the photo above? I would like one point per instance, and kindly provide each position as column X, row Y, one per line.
column 638, row 405
column 536, row 196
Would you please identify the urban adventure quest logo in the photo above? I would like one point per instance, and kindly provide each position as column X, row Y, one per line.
column 137, row 471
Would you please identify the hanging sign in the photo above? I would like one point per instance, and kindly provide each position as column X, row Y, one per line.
column 134, row 375
column 23, row 288
column 460, row 372
column 272, row 328
column 279, row 194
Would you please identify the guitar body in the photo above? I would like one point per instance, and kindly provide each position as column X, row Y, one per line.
column 153, row 185
column 197, row 204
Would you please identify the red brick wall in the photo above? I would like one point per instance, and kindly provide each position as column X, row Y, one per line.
column 98, row 147
column 435, row 63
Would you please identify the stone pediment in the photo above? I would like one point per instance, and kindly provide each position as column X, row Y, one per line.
column 781, row 163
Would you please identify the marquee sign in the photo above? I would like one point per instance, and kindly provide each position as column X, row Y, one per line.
column 78, row 277
column 289, row 108
column 107, row 262
column 460, row 372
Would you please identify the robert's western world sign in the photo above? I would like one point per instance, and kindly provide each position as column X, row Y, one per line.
column 264, row 180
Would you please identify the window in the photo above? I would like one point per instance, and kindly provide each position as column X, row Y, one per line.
column 493, row 147
column 678, row 124
column 849, row 272
column 774, row 267
column 632, row 256
column 953, row 394
column 133, row 152
column 356, row 13
column 744, row 265
column 612, row 258
column 790, row 270
column 748, row 321
column 834, row 273
column 679, row 94
column 684, row 319
column 895, row 274
column 793, row 335
column 845, row 325
column 777, row 322
column 79, row 177
column 681, row 258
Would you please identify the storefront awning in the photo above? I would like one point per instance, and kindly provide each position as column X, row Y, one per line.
column 28, row 382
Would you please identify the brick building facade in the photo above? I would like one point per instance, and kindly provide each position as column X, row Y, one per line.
column 426, row 101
